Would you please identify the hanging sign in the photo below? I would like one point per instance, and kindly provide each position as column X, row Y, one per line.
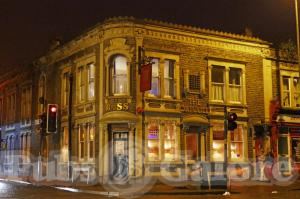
column 146, row 77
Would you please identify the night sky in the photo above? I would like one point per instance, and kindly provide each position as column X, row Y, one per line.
column 28, row 26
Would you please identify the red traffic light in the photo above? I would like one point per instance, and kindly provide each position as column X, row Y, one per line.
column 53, row 109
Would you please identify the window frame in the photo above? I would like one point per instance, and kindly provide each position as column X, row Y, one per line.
column 112, row 77
column 290, row 75
column 227, row 64
column 162, row 58
column 161, row 124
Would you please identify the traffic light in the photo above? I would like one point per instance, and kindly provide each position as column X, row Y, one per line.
column 52, row 111
column 231, row 118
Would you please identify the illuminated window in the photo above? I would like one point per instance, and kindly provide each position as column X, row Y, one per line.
column 162, row 141
column 218, row 83
column 227, row 82
column 235, row 86
column 91, row 141
column 64, row 140
column 86, row 141
column 169, row 141
column 153, row 141
column 169, row 90
column 155, row 78
column 65, row 89
column 81, row 84
column 218, row 142
column 91, row 81
column 82, row 140
column 290, row 88
column 286, row 95
column 119, row 76
column 237, row 144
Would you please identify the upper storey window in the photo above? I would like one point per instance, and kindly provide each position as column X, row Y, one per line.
column 227, row 82
column 165, row 76
column 290, row 89
column 119, row 76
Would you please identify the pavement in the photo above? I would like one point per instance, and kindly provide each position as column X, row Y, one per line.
column 156, row 187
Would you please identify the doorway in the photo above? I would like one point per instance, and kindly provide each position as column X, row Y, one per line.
column 119, row 161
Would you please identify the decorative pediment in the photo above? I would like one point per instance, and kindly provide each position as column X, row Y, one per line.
column 117, row 44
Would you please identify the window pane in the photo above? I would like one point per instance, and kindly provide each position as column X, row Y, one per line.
column 217, row 77
column 91, row 78
column 169, row 139
column 236, row 147
column 119, row 75
column 155, row 77
column 296, row 83
column 169, row 78
column 218, row 142
column 217, row 74
column 153, row 141
column 286, row 95
column 235, row 76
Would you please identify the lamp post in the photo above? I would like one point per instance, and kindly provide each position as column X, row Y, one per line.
column 297, row 32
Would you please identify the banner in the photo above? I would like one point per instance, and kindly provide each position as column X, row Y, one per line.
column 146, row 77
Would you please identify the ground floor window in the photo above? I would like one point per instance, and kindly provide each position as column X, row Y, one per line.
column 218, row 142
column 86, row 140
column 162, row 142
column 237, row 143
column 64, row 140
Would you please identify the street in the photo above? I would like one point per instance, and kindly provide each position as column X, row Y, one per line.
column 14, row 190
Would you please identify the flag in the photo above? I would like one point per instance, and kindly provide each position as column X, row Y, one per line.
column 146, row 77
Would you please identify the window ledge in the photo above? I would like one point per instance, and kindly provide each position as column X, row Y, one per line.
column 161, row 99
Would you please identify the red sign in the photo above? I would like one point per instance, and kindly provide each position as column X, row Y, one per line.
column 146, row 77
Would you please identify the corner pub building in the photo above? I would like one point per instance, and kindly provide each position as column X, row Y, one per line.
column 118, row 132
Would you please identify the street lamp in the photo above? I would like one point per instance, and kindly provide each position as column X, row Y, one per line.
column 297, row 32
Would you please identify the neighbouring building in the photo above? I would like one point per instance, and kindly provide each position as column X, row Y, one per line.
column 118, row 132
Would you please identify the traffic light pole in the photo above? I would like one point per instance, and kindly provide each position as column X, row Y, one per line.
column 225, row 147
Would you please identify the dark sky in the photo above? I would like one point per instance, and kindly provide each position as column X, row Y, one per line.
column 27, row 26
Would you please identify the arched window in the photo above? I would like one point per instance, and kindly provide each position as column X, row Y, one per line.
column 119, row 76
